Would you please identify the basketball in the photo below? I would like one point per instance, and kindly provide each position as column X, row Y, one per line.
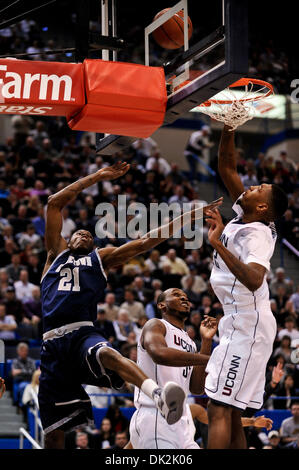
column 171, row 34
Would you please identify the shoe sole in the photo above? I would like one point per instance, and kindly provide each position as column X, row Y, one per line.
column 174, row 399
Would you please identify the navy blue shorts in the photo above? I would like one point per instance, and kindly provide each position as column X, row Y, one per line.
column 63, row 401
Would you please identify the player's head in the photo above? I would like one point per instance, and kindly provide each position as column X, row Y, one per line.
column 268, row 202
column 81, row 242
column 174, row 302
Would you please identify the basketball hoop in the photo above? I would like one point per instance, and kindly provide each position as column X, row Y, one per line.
column 237, row 104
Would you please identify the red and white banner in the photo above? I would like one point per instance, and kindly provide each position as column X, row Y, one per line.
column 45, row 88
column 96, row 96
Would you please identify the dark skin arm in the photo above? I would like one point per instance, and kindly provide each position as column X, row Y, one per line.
column 55, row 243
column 153, row 341
column 227, row 164
column 112, row 257
column 207, row 331
column 251, row 275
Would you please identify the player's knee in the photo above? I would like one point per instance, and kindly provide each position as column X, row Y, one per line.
column 109, row 357
column 218, row 411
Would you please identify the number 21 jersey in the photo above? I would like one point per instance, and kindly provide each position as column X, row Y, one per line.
column 71, row 289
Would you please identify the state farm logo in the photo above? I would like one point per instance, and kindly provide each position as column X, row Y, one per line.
column 24, row 87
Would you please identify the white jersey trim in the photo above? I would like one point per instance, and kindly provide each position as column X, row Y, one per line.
column 100, row 262
column 58, row 256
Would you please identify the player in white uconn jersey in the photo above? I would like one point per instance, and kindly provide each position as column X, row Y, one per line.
column 166, row 353
column 243, row 249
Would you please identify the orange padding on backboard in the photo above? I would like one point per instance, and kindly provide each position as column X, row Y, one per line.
column 122, row 98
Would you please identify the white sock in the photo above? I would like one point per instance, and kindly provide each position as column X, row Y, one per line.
column 148, row 387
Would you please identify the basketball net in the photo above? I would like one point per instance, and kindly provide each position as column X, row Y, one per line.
column 234, row 110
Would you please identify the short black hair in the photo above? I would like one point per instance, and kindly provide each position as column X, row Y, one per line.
column 161, row 297
column 279, row 202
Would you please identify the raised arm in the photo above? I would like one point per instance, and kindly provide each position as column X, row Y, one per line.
column 153, row 341
column 251, row 275
column 227, row 164
column 111, row 256
column 208, row 329
column 55, row 243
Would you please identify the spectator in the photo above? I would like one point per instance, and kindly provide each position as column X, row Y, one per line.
column 188, row 282
column 34, row 269
column 121, row 440
column 179, row 196
column 199, row 285
column 33, row 311
column 190, row 329
column 68, row 225
column 104, row 326
column 134, row 308
column 82, row 441
column 289, row 329
column 289, row 430
column 123, row 326
column 286, row 389
column 14, row 306
column 8, row 325
column 198, row 145
column 280, row 280
column 158, row 164
column 177, row 265
column 83, row 222
column 280, row 300
column 153, row 261
column 20, row 222
column 118, row 421
column 274, row 440
column 287, row 163
column 151, row 309
column 110, row 308
column 249, row 179
column 284, row 349
column 23, row 287
column 142, row 293
column 106, row 437
column 295, row 301
column 39, row 221
column 14, row 269
column 195, row 321
column 30, row 394
column 22, row 369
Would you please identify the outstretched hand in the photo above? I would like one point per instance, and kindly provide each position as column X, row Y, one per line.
column 208, row 327
column 200, row 212
column 113, row 172
column 277, row 373
column 214, row 220
column 262, row 422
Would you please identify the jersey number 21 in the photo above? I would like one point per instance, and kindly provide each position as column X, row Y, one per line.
column 69, row 280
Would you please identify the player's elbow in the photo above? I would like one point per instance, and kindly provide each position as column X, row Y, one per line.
column 254, row 284
column 52, row 201
column 158, row 355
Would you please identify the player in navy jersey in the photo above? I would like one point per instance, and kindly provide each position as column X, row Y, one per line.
column 243, row 249
column 73, row 353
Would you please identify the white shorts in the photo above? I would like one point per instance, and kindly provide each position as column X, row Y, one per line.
column 237, row 367
column 149, row 430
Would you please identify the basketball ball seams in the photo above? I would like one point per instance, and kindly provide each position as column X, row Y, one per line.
column 168, row 37
column 179, row 20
